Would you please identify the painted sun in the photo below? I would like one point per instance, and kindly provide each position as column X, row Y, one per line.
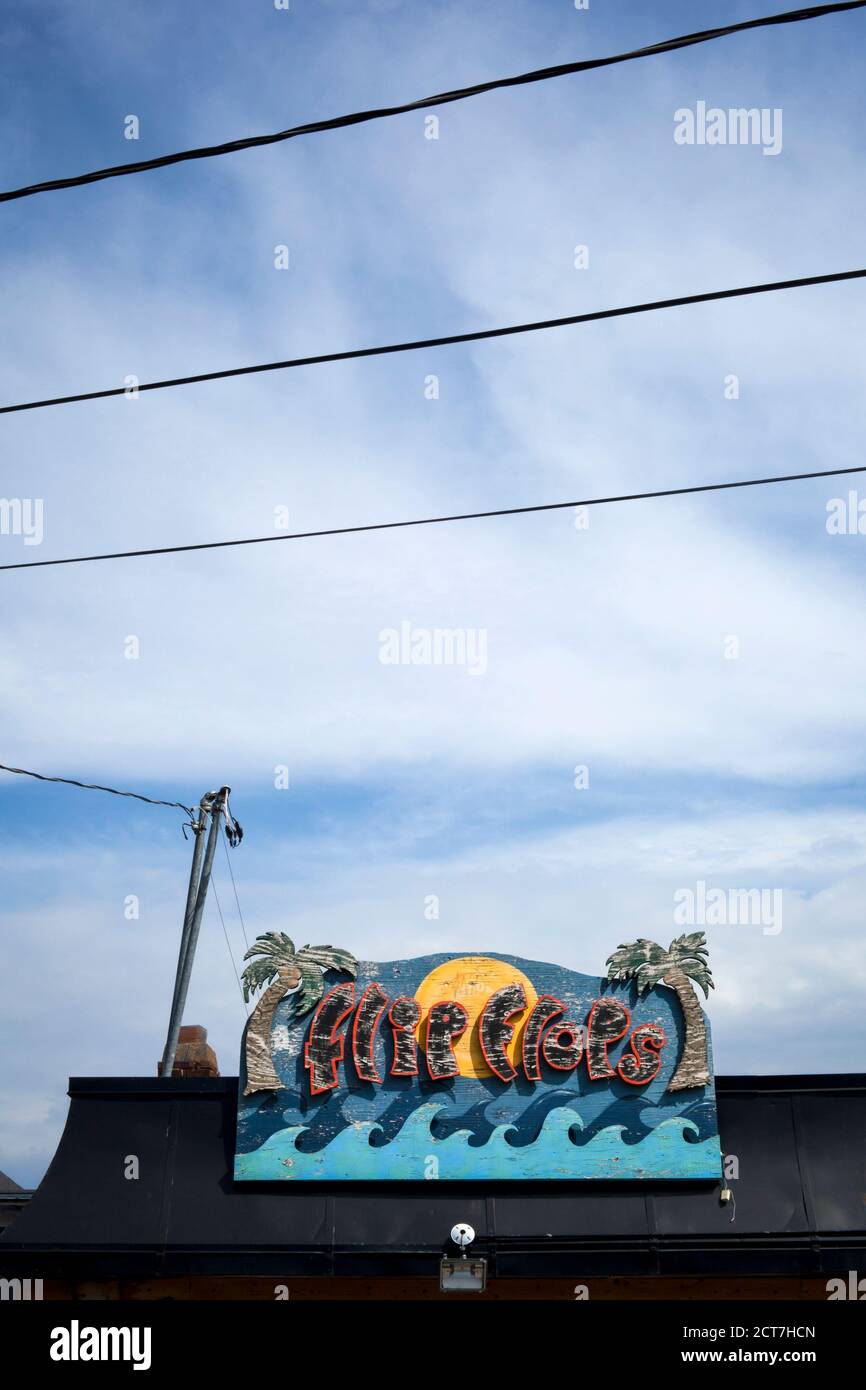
column 470, row 981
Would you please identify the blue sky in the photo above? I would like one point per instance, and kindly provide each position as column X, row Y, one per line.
column 605, row 645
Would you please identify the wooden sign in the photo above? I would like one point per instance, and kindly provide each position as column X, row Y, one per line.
column 476, row 1066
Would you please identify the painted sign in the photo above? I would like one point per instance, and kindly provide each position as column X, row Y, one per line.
column 476, row 1066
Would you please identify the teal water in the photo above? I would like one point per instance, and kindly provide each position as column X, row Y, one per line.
column 414, row 1153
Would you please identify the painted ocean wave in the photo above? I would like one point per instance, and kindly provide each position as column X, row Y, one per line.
column 320, row 1123
column 671, row 1149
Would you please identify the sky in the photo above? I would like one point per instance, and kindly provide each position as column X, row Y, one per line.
column 656, row 695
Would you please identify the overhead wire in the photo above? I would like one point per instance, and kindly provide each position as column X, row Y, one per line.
column 437, row 520
column 439, row 99
column 93, row 787
column 228, row 944
column 446, row 340
column 356, row 118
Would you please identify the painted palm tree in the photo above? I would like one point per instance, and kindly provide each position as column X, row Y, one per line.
column 275, row 962
column 649, row 964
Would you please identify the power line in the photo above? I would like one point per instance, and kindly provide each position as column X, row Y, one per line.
column 437, row 520
column 92, row 787
column 440, row 99
column 228, row 945
column 449, row 340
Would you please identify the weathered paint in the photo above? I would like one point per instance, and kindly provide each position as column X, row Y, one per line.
column 446, row 1022
column 433, row 1124
column 672, row 1149
column 404, row 1016
column 325, row 1048
column 374, row 1002
column 496, row 1029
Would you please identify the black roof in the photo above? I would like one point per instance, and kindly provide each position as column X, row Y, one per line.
column 7, row 1185
column 799, row 1141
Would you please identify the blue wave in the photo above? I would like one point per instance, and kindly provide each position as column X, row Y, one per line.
column 671, row 1149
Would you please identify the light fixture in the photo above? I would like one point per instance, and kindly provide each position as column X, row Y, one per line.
column 463, row 1275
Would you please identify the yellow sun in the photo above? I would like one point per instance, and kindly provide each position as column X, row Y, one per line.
column 470, row 980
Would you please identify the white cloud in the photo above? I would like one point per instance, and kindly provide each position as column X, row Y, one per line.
column 605, row 646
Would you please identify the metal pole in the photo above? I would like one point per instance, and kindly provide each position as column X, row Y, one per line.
column 212, row 805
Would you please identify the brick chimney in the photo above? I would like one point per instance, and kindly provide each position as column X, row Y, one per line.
column 194, row 1057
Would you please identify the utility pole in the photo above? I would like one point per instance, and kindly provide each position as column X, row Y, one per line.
column 213, row 804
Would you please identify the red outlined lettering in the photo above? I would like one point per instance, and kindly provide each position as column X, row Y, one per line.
column 544, row 1009
column 372, row 1005
column 495, row 1031
column 562, row 1045
column 403, row 1017
column 643, row 1062
column 323, row 1049
column 446, row 1022
column 608, row 1022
